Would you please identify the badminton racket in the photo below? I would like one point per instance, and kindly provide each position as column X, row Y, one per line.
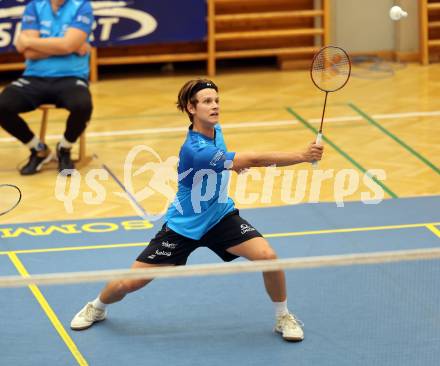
column 10, row 197
column 330, row 71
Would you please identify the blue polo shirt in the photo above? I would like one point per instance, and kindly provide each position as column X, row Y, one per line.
column 202, row 196
column 39, row 15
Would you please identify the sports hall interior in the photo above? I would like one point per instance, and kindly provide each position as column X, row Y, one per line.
column 381, row 137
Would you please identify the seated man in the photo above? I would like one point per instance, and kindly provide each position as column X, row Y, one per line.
column 54, row 41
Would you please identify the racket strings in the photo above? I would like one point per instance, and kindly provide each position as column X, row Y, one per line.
column 330, row 69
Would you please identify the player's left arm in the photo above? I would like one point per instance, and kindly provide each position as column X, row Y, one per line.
column 28, row 53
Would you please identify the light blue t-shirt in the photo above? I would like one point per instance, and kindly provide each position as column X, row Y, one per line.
column 39, row 15
column 202, row 197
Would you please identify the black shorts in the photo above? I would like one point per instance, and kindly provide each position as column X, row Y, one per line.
column 169, row 247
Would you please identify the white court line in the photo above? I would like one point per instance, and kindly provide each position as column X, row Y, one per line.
column 150, row 131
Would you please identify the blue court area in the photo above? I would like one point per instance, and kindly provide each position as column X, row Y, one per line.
column 377, row 314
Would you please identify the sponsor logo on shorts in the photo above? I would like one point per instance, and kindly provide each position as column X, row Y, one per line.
column 163, row 252
column 169, row 245
column 81, row 83
column 152, row 256
column 246, row 228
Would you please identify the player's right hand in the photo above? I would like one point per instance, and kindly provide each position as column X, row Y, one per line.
column 313, row 153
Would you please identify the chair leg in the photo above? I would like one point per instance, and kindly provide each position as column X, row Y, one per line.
column 43, row 127
column 82, row 147
column 82, row 158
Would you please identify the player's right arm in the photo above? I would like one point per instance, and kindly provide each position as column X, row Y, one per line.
column 30, row 28
column 256, row 159
column 28, row 53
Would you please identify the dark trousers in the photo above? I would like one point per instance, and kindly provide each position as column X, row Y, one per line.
column 27, row 93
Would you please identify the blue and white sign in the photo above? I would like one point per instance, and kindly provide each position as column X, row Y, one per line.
column 122, row 23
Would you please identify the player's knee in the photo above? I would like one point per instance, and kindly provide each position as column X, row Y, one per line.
column 3, row 106
column 81, row 106
column 6, row 108
column 119, row 288
column 267, row 254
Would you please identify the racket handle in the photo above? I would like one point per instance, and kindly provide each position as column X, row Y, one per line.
column 318, row 142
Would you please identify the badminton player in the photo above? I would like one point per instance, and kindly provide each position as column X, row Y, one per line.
column 193, row 222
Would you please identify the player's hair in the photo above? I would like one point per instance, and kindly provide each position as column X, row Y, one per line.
column 187, row 94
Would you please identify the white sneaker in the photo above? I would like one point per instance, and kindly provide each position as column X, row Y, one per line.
column 290, row 328
column 87, row 316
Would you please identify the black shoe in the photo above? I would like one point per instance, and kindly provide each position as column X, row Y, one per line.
column 65, row 163
column 36, row 161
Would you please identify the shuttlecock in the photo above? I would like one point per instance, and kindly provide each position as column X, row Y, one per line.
column 397, row 13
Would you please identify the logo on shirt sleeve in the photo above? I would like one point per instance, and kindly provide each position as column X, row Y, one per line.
column 219, row 156
column 84, row 19
column 29, row 19
column 46, row 23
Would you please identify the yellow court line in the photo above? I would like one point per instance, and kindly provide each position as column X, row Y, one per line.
column 275, row 235
column 49, row 312
column 433, row 229
column 350, row 230
column 69, row 249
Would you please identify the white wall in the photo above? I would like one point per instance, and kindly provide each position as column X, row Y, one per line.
column 407, row 30
column 365, row 26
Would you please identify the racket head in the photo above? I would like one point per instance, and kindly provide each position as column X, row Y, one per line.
column 330, row 68
column 10, row 197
